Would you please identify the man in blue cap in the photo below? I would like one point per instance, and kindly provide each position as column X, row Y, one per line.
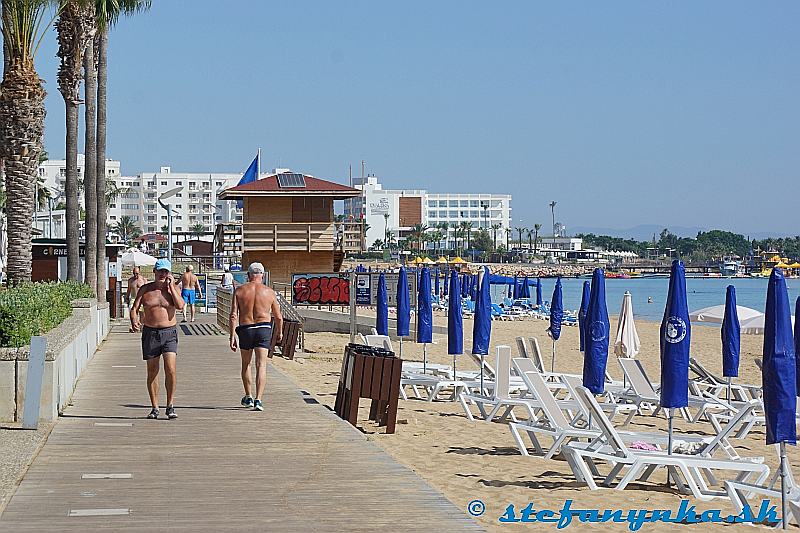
column 160, row 299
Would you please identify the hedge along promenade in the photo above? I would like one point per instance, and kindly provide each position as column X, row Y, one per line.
column 34, row 308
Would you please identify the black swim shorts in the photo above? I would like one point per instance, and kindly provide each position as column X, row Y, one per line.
column 255, row 335
column 157, row 341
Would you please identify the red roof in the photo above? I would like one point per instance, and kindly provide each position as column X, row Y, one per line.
column 269, row 187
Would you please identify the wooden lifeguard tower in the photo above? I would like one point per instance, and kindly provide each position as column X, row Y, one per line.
column 288, row 223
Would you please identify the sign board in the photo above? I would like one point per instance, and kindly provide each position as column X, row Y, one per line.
column 320, row 289
column 367, row 288
column 202, row 280
column 240, row 277
column 379, row 206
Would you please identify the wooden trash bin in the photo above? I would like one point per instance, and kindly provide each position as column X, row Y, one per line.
column 374, row 373
column 291, row 331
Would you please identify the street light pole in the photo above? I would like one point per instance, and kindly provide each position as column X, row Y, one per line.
column 553, row 213
column 163, row 196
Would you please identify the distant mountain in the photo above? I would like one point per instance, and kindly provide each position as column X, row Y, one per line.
column 642, row 232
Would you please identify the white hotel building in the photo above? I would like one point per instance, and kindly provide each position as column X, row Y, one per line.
column 397, row 211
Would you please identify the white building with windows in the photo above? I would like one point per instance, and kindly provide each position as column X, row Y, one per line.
column 396, row 211
column 53, row 173
column 195, row 205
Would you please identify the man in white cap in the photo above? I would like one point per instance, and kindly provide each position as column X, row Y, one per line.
column 255, row 317
column 160, row 299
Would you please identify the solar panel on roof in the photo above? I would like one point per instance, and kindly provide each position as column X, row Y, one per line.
column 289, row 180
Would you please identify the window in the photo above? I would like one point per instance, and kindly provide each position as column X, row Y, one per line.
column 134, row 218
column 131, row 207
column 179, row 206
column 442, row 203
column 453, row 203
column 219, row 184
column 41, row 172
column 112, row 217
column 136, row 183
column 113, row 206
column 179, row 195
column 62, row 172
column 473, row 203
column 112, row 171
column 473, row 214
column 179, row 228
column 432, row 203
column 163, row 183
column 164, row 218
column 464, row 203
column 151, row 219
column 453, row 214
column 179, row 183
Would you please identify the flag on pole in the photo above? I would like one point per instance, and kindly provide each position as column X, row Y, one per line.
column 250, row 175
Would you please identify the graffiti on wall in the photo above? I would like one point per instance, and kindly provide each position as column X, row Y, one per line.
column 320, row 289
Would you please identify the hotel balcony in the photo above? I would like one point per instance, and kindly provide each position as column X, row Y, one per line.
column 289, row 236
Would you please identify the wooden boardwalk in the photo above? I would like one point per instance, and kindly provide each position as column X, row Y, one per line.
column 219, row 466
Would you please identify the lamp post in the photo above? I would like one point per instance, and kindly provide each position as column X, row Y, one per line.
column 386, row 231
column 485, row 206
column 553, row 213
column 163, row 196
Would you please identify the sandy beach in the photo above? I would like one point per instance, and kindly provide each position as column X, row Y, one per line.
column 479, row 460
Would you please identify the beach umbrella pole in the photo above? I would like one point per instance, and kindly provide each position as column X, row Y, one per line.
column 729, row 389
column 783, row 485
column 401, row 347
column 669, row 439
column 553, row 360
column 482, row 363
column 425, row 358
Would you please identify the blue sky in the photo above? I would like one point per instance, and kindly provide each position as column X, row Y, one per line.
column 672, row 113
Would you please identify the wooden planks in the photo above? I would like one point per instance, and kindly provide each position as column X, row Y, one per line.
column 219, row 467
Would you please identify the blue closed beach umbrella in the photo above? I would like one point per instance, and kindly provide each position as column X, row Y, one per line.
column 424, row 315
column 556, row 316
column 403, row 307
column 436, row 285
column 482, row 322
column 516, row 287
column 382, row 315
column 538, row 292
column 797, row 339
column 675, row 339
column 585, row 295
column 596, row 330
column 446, row 277
column 526, row 288
column 464, row 285
column 779, row 373
column 455, row 327
column 510, row 292
column 473, row 288
column 731, row 339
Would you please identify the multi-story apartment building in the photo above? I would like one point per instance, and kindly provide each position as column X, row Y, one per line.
column 395, row 212
column 53, row 173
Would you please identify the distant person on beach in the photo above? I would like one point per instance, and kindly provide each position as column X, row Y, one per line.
column 160, row 299
column 227, row 279
column 135, row 283
column 189, row 283
column 255, row 317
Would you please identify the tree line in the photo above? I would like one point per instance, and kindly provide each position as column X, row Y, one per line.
column 82, row 28
column 708, row 245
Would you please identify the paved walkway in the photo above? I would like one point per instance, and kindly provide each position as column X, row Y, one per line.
column 219, row 467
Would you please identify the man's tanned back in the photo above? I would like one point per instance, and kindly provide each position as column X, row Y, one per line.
column 255, row 301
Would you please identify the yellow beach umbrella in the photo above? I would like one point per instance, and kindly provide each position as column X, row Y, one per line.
column 795, row 265
column 458, row 261
column 428, row 261
column 417, row 260
column 443, row 260
column 781, row 265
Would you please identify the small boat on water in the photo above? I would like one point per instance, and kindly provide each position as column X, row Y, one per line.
column 729, row 268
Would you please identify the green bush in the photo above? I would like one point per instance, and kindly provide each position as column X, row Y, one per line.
column 35, row 308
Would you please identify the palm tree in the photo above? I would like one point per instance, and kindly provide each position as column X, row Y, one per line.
column 495, row 227
column 21, row 125
column 90, row 177
column 418, row 234
column 73, row 29
column 519, row 230
column 125, row 228
column 198, row 230
column 508, row 236
column 456, row 230
column 536, row 228
column 107, row 13
column 529, row 233
column 467, row 229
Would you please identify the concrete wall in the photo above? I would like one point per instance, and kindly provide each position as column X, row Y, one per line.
column 70, row 347
column 282, row 265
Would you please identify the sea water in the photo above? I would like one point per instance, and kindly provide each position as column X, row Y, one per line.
column 701, row 292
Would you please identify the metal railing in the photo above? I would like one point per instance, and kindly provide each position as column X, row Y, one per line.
column 289, row 236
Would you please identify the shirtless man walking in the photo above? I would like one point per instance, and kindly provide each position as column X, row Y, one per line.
column 135, row 283
column 255, row 314
column 189, row 283
column 159, row 298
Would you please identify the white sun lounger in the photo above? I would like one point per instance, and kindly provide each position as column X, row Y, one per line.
column 611, row 448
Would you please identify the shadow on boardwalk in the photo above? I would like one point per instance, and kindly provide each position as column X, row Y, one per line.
column 219, row 467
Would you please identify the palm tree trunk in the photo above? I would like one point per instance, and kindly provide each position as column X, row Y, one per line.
column 21, row 130
column 71, row 190
column 90, row 166
column 102, row 206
